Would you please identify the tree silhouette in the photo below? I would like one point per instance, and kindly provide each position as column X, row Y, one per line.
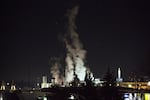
column 109, row 79
column 109, row 91
column 88, row 80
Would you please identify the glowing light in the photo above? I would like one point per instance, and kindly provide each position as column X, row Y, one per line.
column 38, row 84
column 126, row 99
column 119, row 79
column 1, row 97
column 118, row 84
column 119, row 73
column 44, row 98
column 8, row 83
column 97, row 81
column 126, row 95
column 147, row 96
column 137, row 96
column 148, row 83
column 130, row 86
column 45, row 85
column 130, row 96
column 40, row 98
column 71, row 97
column 31, row 92
column 3, row 87
column 13, row 88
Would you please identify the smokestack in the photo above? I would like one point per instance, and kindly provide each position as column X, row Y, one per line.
column 119, row 73
column 119, row 79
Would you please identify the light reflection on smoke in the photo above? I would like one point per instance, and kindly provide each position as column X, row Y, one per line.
column 55, row 70
column 75, row 53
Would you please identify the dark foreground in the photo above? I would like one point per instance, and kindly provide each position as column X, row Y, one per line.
column 66, row 93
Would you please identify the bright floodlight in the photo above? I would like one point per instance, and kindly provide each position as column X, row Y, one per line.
column 129, row 85
column 148, row 83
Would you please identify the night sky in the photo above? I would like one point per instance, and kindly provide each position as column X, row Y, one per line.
column 115, row 34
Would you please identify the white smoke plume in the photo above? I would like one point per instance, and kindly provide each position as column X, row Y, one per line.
column 55, row 71
column 76, row 55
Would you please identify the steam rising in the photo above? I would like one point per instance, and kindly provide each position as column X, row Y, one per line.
column 75, row 53
column 55, row 70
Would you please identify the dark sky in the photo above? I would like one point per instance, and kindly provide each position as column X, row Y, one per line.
column 115, row 33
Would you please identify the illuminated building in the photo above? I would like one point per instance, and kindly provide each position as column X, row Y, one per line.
column 3, row 87
column 53, row 81
column 44, row 83
column 13, row 87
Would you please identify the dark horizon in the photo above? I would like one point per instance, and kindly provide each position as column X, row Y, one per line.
column 114, row 34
